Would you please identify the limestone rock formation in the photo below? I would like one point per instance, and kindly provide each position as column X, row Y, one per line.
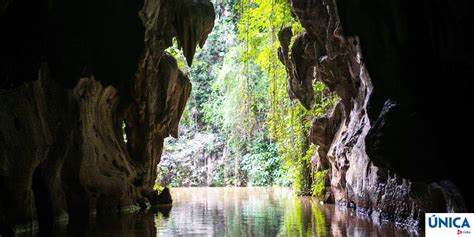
column 300, row 67
column 164, row 198
column 87, row 95
column 385, row 143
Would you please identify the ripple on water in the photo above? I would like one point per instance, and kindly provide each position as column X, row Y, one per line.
column 235, row 211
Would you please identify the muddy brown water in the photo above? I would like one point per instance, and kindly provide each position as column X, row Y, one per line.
column 232, row 211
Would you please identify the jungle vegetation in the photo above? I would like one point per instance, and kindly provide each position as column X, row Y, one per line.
column 240, row 127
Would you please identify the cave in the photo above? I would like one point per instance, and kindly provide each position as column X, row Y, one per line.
column 88, row 94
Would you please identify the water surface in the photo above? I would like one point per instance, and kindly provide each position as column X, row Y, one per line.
column 236, row 212
column 261, row 212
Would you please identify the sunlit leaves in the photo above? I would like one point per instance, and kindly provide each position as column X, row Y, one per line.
column 240, row 89
column 288, row 122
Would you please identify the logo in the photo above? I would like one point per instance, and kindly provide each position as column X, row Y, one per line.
column 449, row 224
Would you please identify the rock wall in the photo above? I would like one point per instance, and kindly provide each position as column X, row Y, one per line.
column 72, row 73
column 392, row 144
column 75, row 78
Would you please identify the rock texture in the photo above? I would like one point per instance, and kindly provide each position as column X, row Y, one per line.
column 75, row 79
column 393, row 149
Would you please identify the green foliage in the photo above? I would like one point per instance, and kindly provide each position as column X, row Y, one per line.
column 257, row 29
column 240, row 94
column 303, row 217
column 179, row 56
column 319, row 180
column 287, row 122
column 262, row 164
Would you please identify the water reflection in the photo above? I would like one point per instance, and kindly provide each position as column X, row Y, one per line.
column 234, row 212
column 261, row 212
column 128, row 225
column 225, row 211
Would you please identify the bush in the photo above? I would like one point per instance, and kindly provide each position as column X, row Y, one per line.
column 319, row 181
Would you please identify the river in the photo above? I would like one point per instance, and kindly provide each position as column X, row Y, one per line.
column 236, row 211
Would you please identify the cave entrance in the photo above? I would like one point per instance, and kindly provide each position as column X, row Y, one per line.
column 240, row 133
column 240, row 128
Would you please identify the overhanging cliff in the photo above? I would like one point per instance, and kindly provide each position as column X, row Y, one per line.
column 75, row 77
column 392, row 144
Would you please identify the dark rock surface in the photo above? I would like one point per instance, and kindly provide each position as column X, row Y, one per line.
column 71, row 75
column 398, row 142
column 300, row 67
column 164, row 198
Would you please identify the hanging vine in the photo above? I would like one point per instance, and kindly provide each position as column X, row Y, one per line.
column 249, row 105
